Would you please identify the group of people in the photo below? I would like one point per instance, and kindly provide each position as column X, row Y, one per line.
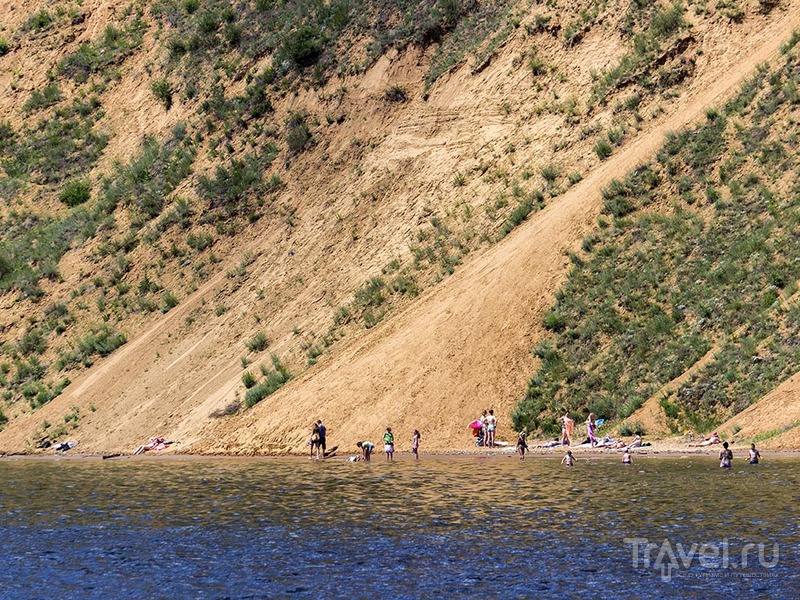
column 367, row 447
column 318, row 441
column 726, row 456
column 484, row 428
column 568, row 429
column 486, row 431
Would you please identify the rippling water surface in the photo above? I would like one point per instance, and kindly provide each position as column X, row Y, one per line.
column 443, row 527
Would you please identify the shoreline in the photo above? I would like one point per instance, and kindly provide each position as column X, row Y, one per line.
column 668, row 451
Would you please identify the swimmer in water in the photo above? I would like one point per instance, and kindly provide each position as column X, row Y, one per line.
column 568, row 459
column 627, row 459
column 755, row 455
column 725, row 456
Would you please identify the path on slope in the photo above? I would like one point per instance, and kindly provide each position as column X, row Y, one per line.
column 466, row 345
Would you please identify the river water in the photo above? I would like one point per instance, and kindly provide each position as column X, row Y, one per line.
column 440, row 528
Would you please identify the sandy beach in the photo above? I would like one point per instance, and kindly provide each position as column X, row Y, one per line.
column 666, row 449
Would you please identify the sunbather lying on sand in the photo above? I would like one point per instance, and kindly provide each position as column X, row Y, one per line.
column 61, row 447
column 155, row 443
column 709, row 441
column 636, row 443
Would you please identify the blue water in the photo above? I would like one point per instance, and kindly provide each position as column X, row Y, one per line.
column 463, row 528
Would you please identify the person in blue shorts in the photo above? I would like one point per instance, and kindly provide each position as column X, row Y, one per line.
column 755, row 455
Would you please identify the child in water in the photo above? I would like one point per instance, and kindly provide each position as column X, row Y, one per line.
column 388, row 444
column 755, row 455
column 627, row 459
column 522, row 445
column 568, row 459
column 725, row 456
column 415, row 444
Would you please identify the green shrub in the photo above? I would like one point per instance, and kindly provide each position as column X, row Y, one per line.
column 32, row 342
column 372, row 318
column 151, row 175
column 231, row 184
column 76, row 192
column 549, row 173
column 4, row 48
column 274, row 380
column 303, row 47
column 38, row 21
column 50, row 95
column 603, row 149
column 630, row 429
column 667, row 21
column 395, row 93
column 52, row 150
column 248, row 379
column 199, row 242
column 342, row 315
column 257, row 343
column 97, row 56
column 518, row 215
column 100, row 341
column 536, row 65
column 298, row 134
column 168, row 301
column 630, row 406
column 371, row 293
column 162, row 89
column 554, row 321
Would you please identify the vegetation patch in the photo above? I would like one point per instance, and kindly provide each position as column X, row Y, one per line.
column 696, row 251
column 273, row 379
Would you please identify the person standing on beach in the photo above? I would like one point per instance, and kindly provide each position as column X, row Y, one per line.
column 755, row 455
column 567, row 427
column 522, row 445
column 314, row 440
column 415, row 444
column 322, row 433
column 388, row 444
column 491, row 425
column 725, row 456
column 366, row 449
column 484, row 432
column 590, row 430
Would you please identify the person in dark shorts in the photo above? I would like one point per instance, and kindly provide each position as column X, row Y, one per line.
column 322, row 436
column 314, row 442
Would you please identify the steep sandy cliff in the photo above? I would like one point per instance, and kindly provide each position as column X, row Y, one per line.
column 351, row 206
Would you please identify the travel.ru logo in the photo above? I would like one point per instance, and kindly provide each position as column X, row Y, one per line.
column 717, row 559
